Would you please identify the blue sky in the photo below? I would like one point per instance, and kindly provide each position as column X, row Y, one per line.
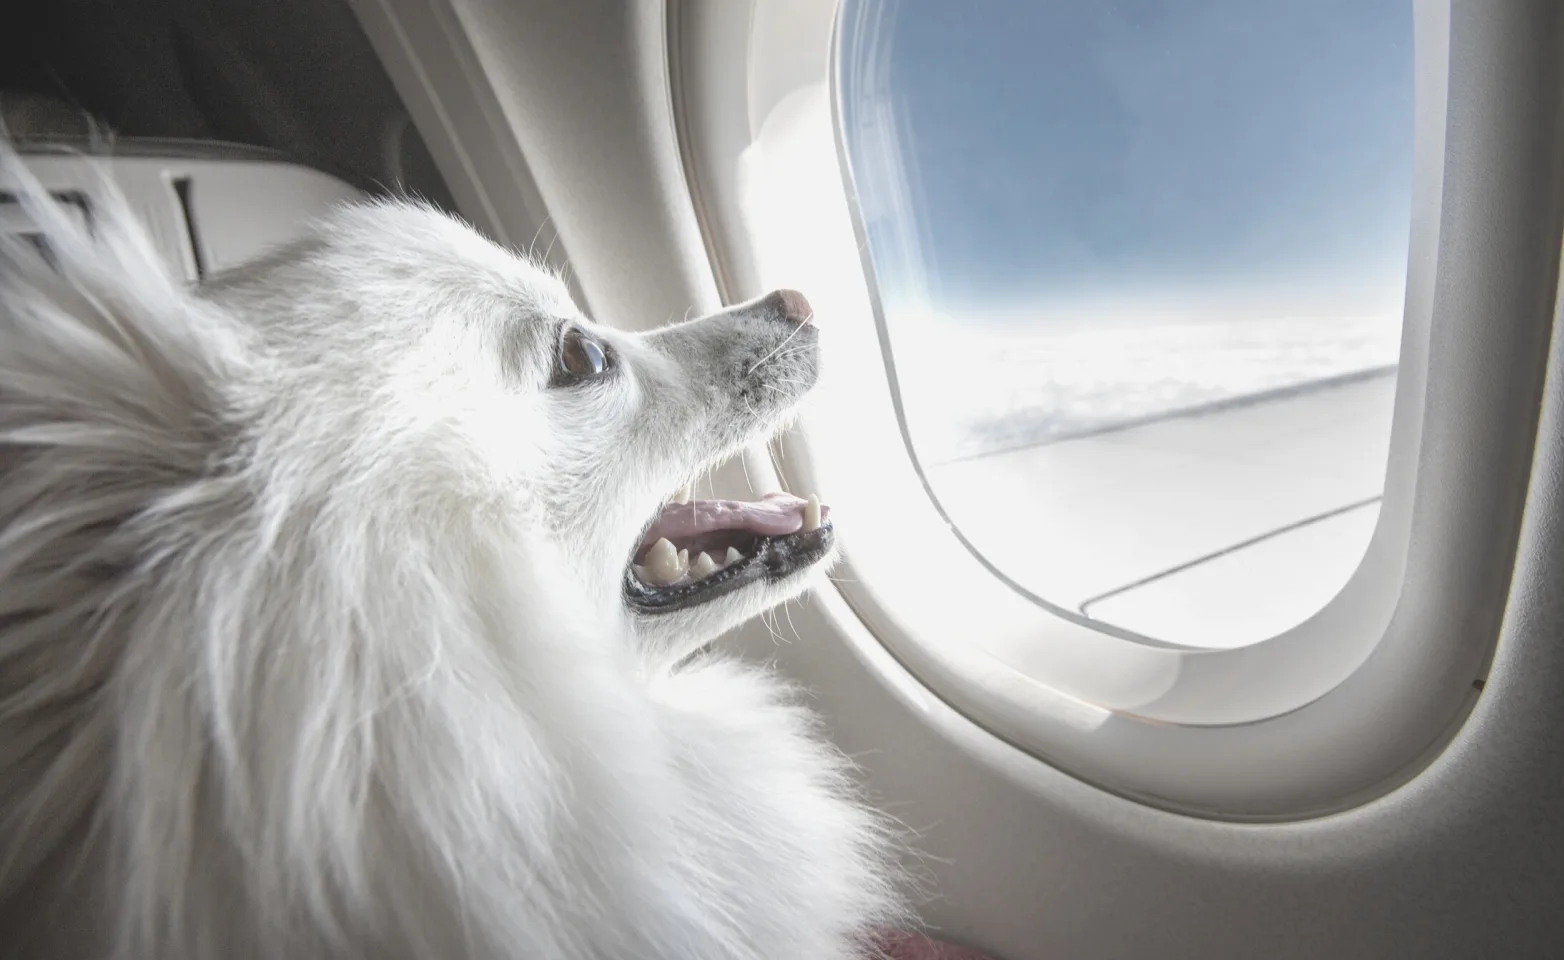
column 1081, row 147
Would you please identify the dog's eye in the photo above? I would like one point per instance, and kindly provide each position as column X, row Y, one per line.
column 580, row 356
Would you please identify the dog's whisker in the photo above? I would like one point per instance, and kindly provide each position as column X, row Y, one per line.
column 744, row 465
column 789, row 615
column 533, row 246
column 776, row 630
column 758, row 363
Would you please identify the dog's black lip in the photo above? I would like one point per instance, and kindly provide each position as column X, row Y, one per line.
column 772, row 559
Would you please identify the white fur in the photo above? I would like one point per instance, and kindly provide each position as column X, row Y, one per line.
column 311, row 635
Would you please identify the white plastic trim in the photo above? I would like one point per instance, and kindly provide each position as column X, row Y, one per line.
column 1329, row 713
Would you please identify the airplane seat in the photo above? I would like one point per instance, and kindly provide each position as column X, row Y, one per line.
column 207, row 205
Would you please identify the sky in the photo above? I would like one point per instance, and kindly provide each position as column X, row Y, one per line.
column 1064, row 150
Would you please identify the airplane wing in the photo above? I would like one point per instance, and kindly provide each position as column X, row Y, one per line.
column 1210, row 529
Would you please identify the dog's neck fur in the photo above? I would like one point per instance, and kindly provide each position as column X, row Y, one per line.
column 430, row 789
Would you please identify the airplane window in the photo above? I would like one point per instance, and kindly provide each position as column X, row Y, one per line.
column 1140, row 267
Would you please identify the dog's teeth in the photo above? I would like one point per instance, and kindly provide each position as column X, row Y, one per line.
column 812, row 514
column 733, row 557
column 682, row 495
column 640, row 573
column 662, row 564
column 684, row 560
column 703, row 566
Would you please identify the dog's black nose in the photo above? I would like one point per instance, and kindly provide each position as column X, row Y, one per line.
column 791, row 306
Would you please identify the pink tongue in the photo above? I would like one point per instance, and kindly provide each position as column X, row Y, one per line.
column 774, row 515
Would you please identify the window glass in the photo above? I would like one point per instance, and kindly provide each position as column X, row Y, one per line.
column 1141, row 266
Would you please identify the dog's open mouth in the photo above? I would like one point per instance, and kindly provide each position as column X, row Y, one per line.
column 698, row 550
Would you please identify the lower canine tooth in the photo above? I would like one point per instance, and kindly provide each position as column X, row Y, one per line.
column 682, row 495
column 662, row 563
column 812, row 514
column 733, row 557
column 703, row 566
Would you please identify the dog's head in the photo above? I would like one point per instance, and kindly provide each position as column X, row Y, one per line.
column 428, row 363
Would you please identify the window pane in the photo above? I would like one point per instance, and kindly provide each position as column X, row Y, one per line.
column 1141, row 265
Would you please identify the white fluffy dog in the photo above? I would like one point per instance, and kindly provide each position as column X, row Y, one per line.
column 337, row 618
